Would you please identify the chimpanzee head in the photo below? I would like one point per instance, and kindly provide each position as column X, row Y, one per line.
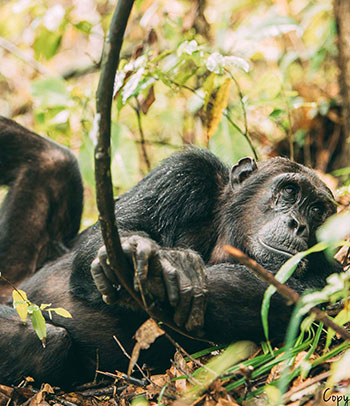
column 276, row 208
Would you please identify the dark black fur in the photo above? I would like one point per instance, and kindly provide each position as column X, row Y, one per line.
column 190, row 201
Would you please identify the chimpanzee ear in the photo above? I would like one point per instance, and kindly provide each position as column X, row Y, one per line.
column 242, row 170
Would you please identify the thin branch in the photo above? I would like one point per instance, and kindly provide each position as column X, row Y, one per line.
column 290, row 294
column 142, row 135
column 74, row 73
column 244, row 112
column 13, row 49
column 145, row 377
column 104, row 187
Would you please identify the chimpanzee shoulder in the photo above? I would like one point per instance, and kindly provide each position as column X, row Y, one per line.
column 175, row 205
column 180, row 192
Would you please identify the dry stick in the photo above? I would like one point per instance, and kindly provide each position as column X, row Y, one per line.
column 290, row 294
column 13, row 49
column 311, row 381
column 145, row 377
column 104, row 189
column 142, row 135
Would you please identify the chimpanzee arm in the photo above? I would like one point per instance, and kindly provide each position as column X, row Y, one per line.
column 222, row 301
column 42, row 209
column 234, row 301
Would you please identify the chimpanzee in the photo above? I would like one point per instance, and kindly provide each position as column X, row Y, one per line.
column 174, row 224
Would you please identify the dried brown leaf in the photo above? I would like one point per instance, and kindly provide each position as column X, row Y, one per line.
column 219, row 103
column 146, row 335
column 146, row 102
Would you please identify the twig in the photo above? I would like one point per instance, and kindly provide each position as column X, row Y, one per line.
column 290, row 294
column 181, row 349
column 128, row 357
column 126, row 378
column 142, row 135
column 13, row 287
column 306, row 384
column 74, row 73
column 104, row 188
column 13, row 49
column 244, row 112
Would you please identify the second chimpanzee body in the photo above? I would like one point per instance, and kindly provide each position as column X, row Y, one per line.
column 177, row 219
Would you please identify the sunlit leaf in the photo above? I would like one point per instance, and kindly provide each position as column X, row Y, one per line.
column 336, row 228
column 276, row 25
column 233, row 354
column 277, row 113
column 341, row 318
column 282, row 276
column 208, row 88
column 188, row 47
column 20, row 303
column 84, row 26
column 237, row 62
column 340, row 370
column 47, row 43
column 50, row 92
column 217, row 62
column 38, row 322
column 61, row 312
column 219, row 103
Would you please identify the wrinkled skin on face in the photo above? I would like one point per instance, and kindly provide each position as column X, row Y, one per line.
column 290, row 211
column 282, row 216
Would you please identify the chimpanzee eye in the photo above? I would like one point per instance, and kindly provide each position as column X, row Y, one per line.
column 289, row 191
column 318, row 210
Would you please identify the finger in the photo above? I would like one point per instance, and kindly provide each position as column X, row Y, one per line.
column 185, row 297
column 103, row 261
column 144, row 250
column 196, row 318
column 103, row 285
column 170, row 280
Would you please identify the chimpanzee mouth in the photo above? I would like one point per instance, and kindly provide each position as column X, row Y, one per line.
column 277, row 250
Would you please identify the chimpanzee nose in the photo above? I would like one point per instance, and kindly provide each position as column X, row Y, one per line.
column 299, row 226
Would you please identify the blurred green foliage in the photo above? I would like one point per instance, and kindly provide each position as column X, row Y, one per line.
column 222, row 75
column 175, row 60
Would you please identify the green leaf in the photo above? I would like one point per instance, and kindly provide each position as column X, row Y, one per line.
column 50, row 92
column 208, row 88
column 84, row 26
column 43, row 306
column 277, row 113
column 233, row 354
column 61, row 312
column 336, row 228
column 47, row 43
column 38, row 322
column 341, row 318
column 20, row 303
column 217, row 62
column 276, row 25
column 282, row 276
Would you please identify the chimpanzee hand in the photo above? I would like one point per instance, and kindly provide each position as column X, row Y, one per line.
column 182, row 272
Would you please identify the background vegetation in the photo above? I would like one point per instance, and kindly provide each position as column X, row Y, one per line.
column 241, row 78
column 191, row 72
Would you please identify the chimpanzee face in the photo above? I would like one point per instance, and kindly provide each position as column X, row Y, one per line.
column 284, row 204
column 289, row 211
